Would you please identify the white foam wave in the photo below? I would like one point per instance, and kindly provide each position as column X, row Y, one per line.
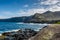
column 8, row 31
column 33, row 23
column 12, row 30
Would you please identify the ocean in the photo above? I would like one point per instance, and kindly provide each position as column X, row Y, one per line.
column 13, row 26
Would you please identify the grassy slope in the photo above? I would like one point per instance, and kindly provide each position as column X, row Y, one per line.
column 2, row 37
column 48, row 33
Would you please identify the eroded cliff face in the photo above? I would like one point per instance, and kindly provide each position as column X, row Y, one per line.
column 51, row 32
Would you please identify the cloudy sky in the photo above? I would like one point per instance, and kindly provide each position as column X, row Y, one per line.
column 13, row 8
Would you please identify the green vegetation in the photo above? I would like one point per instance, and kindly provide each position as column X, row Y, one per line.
column 57, row 23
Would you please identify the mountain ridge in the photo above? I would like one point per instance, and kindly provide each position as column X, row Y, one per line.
column 36, row 18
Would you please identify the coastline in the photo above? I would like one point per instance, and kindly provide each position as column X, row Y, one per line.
column 24, row 32
column 27, row 33
column 22, row 28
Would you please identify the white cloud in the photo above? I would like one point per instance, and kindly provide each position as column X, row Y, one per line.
column 30, row 12
column 54, row 8
column 26, row 5
column 53, row 5
column 8, row 14
column 35, row 4
column 50, row 2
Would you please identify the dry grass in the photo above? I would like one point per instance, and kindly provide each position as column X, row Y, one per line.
column 2, row 37
column 48, row 32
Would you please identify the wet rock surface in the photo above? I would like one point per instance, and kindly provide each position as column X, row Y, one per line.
column 19, row 35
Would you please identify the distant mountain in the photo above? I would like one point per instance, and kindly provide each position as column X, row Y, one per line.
column 16, row 19
column 48, row 17
column 50, row 32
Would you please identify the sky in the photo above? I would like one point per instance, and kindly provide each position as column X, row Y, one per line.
column 17, row 8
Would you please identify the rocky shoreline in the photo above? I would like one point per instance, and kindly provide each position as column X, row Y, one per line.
column 18, row 35
column 49, row 32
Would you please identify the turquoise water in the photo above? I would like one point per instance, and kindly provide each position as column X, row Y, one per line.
column 9, row 26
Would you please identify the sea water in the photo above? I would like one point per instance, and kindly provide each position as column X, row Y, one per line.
column 14, row 26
